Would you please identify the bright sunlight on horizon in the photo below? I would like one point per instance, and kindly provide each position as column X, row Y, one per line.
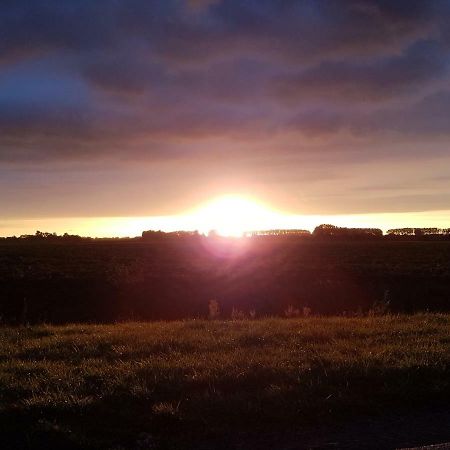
column 233, row 215
column 228, row 215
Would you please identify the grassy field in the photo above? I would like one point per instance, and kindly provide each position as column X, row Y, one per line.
column 216, row 384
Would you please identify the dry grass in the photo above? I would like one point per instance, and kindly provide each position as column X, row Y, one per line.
column 108, row 386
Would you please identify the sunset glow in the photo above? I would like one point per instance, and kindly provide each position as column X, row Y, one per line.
column 204, row 221
column 226, row 115
column 233, row 216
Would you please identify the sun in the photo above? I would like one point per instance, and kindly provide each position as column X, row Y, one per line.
column 233, row 215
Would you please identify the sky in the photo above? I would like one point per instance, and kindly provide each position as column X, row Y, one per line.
column 117, row 115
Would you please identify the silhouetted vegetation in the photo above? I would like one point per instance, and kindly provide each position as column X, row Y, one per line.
column 152, row 235
column 44, row 236
column 334, row 232
column 420, row 233
column 290, row 232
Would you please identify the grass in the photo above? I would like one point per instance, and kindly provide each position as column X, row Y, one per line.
column 180, row 384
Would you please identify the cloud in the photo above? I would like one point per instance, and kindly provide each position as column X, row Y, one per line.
column 426, row 120
column 167, row 78
column 294, row 29
column 200, row 4
column 376, row 80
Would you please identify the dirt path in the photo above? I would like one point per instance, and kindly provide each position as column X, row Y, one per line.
column 415, row 429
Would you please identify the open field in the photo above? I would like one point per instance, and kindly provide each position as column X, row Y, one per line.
column 175, row 279
column 268, row 383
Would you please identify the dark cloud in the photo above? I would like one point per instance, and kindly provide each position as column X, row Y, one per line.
column 29, row 27
column 223, row 81
column 119, row 75
column 298, row 29
column 381, row 79
column 426, row 118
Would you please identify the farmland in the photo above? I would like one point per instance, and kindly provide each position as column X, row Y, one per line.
column 122, row 280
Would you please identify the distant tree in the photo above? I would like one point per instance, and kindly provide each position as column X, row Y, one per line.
column 328, row 231
column 401, row 232
column 325, row 230
column 281, row 232
column 45, row 235
column 153, row 235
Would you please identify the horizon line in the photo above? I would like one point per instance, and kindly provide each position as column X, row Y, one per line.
column 129, row 226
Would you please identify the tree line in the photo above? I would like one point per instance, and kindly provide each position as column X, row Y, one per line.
column 324, row 231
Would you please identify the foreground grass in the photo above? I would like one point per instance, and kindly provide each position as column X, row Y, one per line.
column 152, row 385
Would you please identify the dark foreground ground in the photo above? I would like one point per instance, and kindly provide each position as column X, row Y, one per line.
column 374, row 382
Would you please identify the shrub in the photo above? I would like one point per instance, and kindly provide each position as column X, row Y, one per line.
column 290, row 311
column 214, row 309
column 237, row 314
column 379, row 308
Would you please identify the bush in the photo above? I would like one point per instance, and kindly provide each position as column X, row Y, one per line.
column 381, row 307
column 237, row 314
column 290, row 311
column 214, row 309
